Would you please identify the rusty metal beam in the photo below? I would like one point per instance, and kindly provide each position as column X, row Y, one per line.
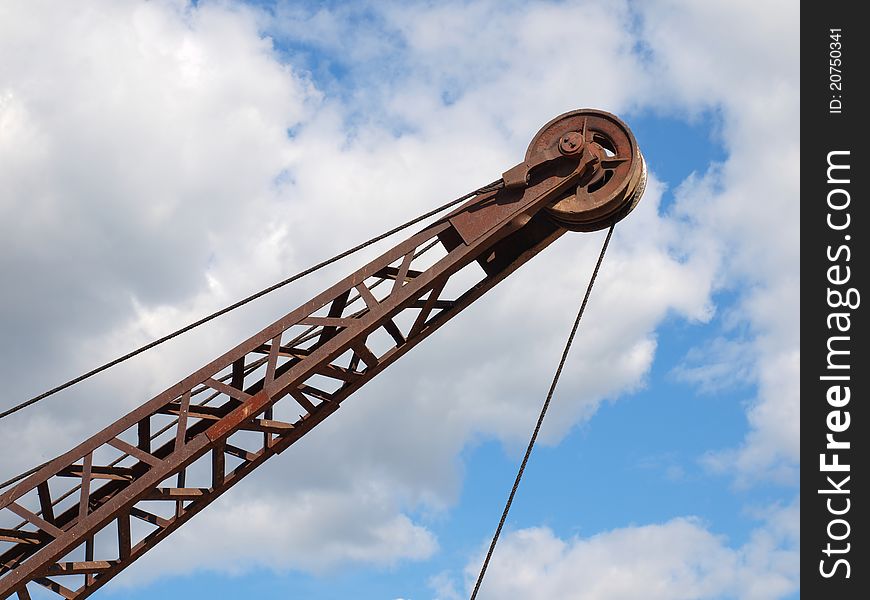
column 492, row 235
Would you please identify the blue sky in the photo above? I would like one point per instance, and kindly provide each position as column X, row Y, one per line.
column 205, row 150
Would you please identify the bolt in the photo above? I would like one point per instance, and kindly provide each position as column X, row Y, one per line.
column 571, row 143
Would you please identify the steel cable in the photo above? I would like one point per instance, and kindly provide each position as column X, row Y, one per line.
column 487, row 188
column 544, row 408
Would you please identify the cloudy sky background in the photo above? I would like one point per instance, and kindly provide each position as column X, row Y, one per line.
column 159, row 160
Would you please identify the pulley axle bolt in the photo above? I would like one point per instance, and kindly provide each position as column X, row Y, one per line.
column 571, row 143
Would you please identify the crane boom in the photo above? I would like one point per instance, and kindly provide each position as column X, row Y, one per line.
column 86, row 515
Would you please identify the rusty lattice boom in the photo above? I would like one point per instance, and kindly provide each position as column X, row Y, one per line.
column 86, row 515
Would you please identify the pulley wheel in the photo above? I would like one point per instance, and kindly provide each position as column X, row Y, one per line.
column 618, row 179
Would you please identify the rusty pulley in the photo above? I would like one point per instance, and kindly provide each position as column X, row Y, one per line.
column 615, row 176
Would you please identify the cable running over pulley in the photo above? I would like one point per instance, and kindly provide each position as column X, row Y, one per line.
column 487, row 188
column 544, row 408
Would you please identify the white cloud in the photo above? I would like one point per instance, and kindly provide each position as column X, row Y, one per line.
column 314, row 530
column 140, row 143
column 723, row 363
column 678, row 559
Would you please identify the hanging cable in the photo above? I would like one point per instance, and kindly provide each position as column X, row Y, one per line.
column 487, row 188
column 544, row 408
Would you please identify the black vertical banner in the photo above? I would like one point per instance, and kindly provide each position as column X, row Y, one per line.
column 835, row 223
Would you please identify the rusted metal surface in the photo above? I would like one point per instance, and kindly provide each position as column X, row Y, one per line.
column 620, row 176
column 170, row 458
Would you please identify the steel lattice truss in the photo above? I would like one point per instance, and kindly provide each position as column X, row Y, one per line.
column 86, row 515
